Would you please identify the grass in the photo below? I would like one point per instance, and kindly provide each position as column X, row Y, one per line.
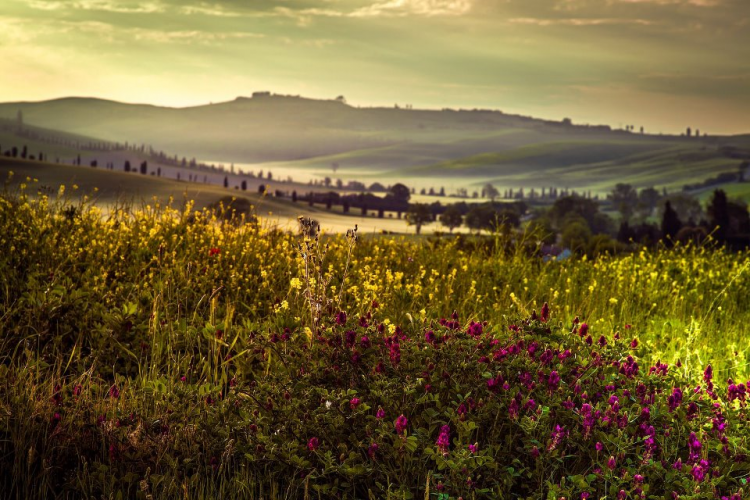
column 142, row 354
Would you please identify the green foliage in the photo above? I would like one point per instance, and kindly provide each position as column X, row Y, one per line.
column 177, row 353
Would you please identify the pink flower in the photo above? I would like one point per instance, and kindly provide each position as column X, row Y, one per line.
column 372, row 450
column 354, row 403
column 443, row 441
column 473, row 448
column 583, row 329
column 380, row 414
column 611, row 463
column 401, row 423
column 313, row 444
column 544, row 314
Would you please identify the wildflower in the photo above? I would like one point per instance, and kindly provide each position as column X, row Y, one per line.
column 364, row 342
column 558, row 434
column 583, row 330
column 401, row 423
column 350, row 337
column 443, row 441
column 313, row 444
column 473, row 448
column 353, row 403
column 429, row 336
column 372, row 450
column 553, row 381
column 675, row 399
column 611, row 463
column 214, row 251
column 599, row 446
column 634, row 344
column 475, row 329
column 544, row 313
column 114, row 392
column 341, row 318
column 296, row 283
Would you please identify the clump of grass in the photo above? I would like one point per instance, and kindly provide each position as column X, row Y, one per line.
column 167, row 352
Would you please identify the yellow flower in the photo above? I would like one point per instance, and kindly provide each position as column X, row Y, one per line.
column 296, row 283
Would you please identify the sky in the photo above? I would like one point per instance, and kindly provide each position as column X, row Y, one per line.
column 661, row 64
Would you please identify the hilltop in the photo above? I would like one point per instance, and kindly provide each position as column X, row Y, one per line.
column 421, row 147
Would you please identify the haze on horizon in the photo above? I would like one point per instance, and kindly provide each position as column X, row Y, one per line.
column 661, row 64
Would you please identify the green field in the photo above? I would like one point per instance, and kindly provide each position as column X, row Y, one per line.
column 157, row 352
column 305, row 137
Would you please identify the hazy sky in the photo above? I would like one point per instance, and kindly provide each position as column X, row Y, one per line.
column 664, row 64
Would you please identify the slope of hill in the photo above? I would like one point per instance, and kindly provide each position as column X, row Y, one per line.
column 468, row 147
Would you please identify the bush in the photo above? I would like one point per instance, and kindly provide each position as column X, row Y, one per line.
column 533, row 409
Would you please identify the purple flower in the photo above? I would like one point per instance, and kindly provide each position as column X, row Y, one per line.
column 473, row 448
column 364, row 341
column 380, row 414
column 429, row 336
column 475, row 329
column 372, row 450
column 350, row 337
column 599, row 446
column 401, row 423
column 353, row 403
column 675, row 399
column 544, row 313
column 583, row 329
column 341, row 318
column 553, row 381
column 443, row 441
column 611, row 463
column 313, row 444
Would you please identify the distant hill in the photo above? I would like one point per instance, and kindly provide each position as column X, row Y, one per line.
column 468, row 146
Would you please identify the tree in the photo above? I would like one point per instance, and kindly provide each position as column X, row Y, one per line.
column 490, row 191
column 262, row 189
column 670, row 222
column 127, row 168
column 451, row 218
column 294, row 196
column 624, row 198
column 480, row 217
column 541, row 229
column 576, row 235
column 244, row 185
column 226, row 181
column 418, row 215
column 718, row 213
column 400, row 192
column 688, row 208
column 648, row 199
column 144, row 168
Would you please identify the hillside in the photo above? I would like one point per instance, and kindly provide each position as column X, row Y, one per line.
column 424, row 147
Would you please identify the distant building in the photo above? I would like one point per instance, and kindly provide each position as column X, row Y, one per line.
column 262, row 94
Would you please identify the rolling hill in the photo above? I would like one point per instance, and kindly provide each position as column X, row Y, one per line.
column 460, row 148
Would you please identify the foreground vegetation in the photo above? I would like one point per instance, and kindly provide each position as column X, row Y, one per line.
column 162, row 352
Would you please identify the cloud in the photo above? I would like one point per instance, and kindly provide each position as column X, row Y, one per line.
column 572, row 21
column 414, row 7
column 696, row 3
column 387, row 8
column 99, row 5
column 206, row 9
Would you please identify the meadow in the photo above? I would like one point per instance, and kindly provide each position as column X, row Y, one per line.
column 162, row 351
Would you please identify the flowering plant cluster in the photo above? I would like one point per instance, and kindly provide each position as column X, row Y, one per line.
column 532, row 409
